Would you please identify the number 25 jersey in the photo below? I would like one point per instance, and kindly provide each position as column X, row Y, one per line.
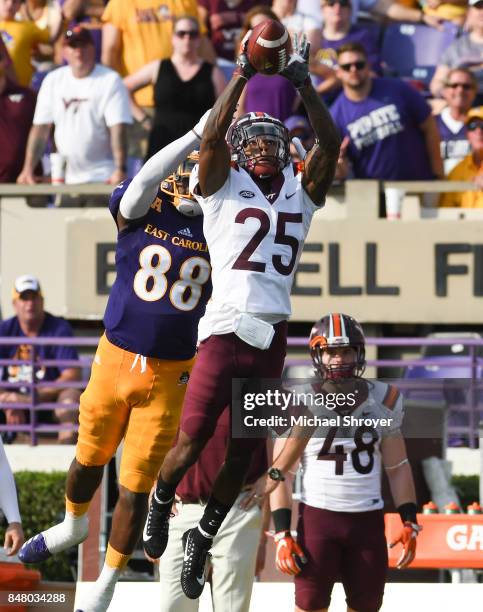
column 255, row 244
column 341, row 466
column 162, row 283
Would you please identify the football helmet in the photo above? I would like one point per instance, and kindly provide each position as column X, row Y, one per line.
column 337, row 330
column 177, row 187
column 249, row 138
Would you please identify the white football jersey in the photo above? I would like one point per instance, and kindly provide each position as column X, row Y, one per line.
column 255, row 245
column 341, row 465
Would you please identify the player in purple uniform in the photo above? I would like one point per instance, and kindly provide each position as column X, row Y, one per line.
column 143, row 361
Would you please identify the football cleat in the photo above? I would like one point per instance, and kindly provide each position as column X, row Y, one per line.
column 34, row 550
column 196, row 562
column 156, row 528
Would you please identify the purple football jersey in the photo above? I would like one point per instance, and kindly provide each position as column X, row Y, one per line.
column 163, row 281
column 386, row 141
column 454, row 144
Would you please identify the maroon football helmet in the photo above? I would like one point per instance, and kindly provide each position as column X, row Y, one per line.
column 252, row 128
column 337, row 330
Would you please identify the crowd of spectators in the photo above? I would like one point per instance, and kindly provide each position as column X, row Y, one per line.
column 116, row 80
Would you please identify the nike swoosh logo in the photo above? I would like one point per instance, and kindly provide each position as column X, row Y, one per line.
column 201, row 581
column 287, row 196
column 186, row 556
column 146, row 537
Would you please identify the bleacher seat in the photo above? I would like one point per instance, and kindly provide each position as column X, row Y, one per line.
column 412, row 51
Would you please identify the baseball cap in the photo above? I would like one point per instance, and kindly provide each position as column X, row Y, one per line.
column 474, row 113
column 297, row 122
column 25, row 283
column 78, row 36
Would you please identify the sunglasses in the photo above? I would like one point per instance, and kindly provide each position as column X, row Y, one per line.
column 357, row 65
column 192, row 34
column 465, row 86
column 474, row 125
column 343, row 3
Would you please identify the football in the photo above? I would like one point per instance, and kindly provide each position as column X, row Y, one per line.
column 269, row 47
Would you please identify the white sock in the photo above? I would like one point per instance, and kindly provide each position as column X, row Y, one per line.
column 72, row 531
column 100, row 595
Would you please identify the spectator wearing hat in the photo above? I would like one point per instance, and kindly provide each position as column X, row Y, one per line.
column 32, row 321
column 471, row 168
column 459, row 93
column 299, row 127
column 88, row 105
column 465, row 52
column 17, row 105
column 21, row 39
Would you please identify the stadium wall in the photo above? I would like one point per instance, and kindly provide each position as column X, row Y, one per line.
column 425, row 268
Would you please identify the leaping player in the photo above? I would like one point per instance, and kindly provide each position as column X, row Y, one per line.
column 257, row 213
column 143, row 361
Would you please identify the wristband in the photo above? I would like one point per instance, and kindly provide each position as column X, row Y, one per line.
column 282, row 519
column 407, row 512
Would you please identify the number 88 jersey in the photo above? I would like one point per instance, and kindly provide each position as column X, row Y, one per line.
column 162, row 283
column 341, row 471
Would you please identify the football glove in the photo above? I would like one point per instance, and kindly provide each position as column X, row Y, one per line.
column 297, row 69
column 407, row 538
column 243, row 67
column 289, row 557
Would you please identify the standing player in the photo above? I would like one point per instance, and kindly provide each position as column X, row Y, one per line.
column 143, row 361
column 340, row 532
column 257, row 213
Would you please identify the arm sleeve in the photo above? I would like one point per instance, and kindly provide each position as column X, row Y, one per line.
column 112, row 14
column 144, row 186
column 8, row 492
column 117, row 105
column 43, row 109
column 396, row 415
column 417, row 106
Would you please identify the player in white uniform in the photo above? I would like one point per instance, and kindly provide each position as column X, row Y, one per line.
column 340, row 532
column 257, row 212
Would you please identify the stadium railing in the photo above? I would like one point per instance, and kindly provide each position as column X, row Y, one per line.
column 29, row 387
column 472, row 385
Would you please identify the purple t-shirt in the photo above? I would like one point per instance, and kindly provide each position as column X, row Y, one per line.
column 163, row 281
column 358, row 33
column 274, row 95
column 386, row 141
column 56, row 327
